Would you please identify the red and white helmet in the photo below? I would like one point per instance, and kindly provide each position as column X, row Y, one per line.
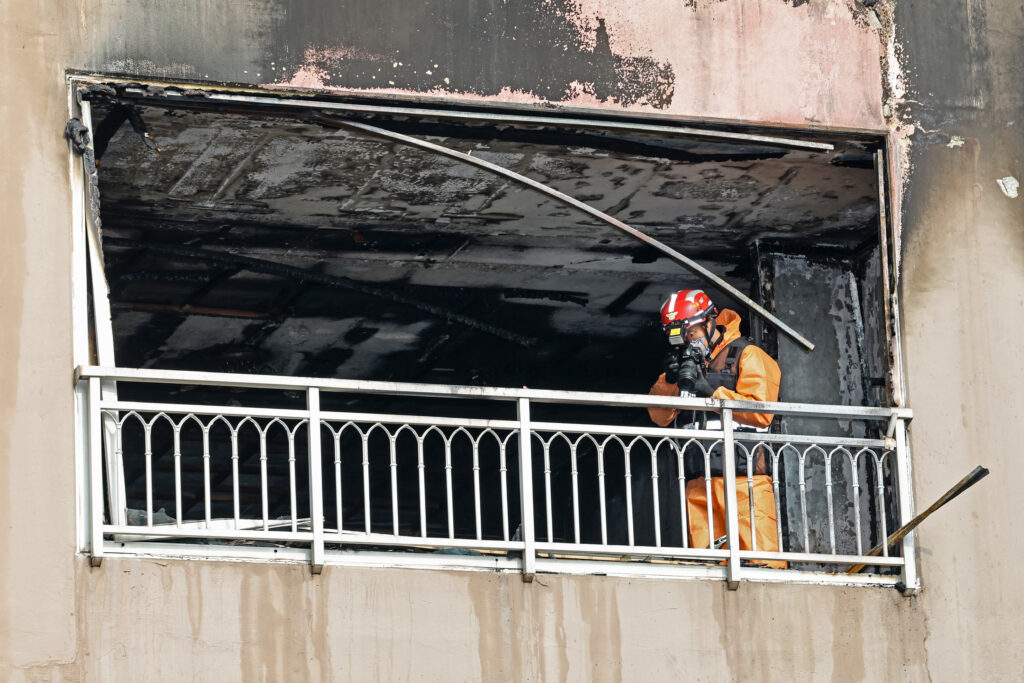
column 687, row 307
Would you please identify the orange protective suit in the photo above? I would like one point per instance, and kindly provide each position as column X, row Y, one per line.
column 758, row 378
column 765, row 528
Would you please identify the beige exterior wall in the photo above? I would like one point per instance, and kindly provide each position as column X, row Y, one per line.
column 131, row 620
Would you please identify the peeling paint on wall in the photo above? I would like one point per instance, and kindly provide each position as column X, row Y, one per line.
column 1009, row 186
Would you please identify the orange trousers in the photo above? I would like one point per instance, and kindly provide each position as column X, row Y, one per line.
column 764, row 514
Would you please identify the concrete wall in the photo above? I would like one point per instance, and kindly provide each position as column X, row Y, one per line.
column 963, row 312
column 791, row 61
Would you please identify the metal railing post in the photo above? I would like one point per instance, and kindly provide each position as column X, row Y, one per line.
column 732, row 522
column 95, row 474
column 909, row 578
column 526, row 491
column 316, row 486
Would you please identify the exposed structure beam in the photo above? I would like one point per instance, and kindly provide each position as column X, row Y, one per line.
column 282, row 270
column 689, row 263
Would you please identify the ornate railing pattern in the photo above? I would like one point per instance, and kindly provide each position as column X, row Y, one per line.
column 538, row 495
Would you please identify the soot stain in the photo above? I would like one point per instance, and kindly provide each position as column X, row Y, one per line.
column 482, row 48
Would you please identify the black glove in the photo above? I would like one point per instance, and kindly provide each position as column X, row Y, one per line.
column 702, row 388
column 671, row 367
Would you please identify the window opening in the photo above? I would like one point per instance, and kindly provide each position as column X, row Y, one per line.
column 254, row 239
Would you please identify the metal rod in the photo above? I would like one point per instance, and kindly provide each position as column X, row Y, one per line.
column 264, row 496
column 629, row 494
column 148, row 454
column 95, row 475
column 602, row 495
column 654, row 497
column 178, row 513
column 880, row 483
column 803, row 502
column 366, row 482
column 680, row 469
column 393, row 464
column 547, row 492
column 575, row 473
column 778, row 500
column 292, row 487
column 828, row 499
column 503, row 465
column 206, row 474
column 708, row 497
column 316, row 484
column 526, row 491
column 905, row 491
column 421, row 477
column 732, row 520
column 530, row 120
column 448, row 490
column 476, row 490
column 750, row 502
column 855, row 478
column 972, row 478
column 235, row 502
column 475, row 392
column 339, row 508
column 582, row 206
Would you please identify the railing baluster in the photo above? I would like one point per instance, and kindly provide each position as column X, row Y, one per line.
column 526, row 490
column 681, row 481
column 879, row 460
column 339, row 508
column 421, row 474
column 828, row 499
column 708, row 493
column 547, row 489
column 96, row 474
column 856, row 501
column 293, row 497
column 264, row 496
column 602, row 495
column 732, row 522
column 366, row 481
column 751, row 452
column 236, row 504
column 629, row 495
column 654, row 496
column 177, row 474
column 575, row 493
column 503, row 465
column 476, row 486
column 206, row 475
column 776, row 454
column 394, row 483
column 449, row 497
column 803, row 503
column 316, row 484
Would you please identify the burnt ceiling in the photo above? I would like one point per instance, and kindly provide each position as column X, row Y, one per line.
column 266, row 243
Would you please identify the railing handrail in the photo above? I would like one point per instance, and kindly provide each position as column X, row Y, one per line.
column 285, row 383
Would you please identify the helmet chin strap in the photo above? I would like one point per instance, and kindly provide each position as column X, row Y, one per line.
column 716, row 336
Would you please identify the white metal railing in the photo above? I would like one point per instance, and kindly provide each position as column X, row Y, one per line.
column 515, row 491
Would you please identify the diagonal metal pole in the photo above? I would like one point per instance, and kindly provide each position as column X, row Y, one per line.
column 582, row 206
column 972, row 478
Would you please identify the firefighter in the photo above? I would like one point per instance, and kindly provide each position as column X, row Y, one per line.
column 711, row 359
